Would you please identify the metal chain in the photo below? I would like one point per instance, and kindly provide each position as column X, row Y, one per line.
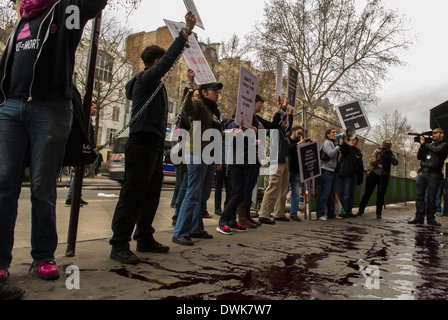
column 143, row 108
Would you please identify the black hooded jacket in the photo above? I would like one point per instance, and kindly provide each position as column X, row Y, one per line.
column 54, row 65
column 151, row 125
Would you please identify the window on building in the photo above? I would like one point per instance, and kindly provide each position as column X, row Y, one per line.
column 111, row 133
column 116, row 114
column 104, row 67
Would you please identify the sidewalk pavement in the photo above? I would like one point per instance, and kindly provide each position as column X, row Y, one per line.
column 359, row 258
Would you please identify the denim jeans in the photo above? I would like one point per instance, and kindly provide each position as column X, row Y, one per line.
column 427, row 182
column 32, row 134
column 348, row 192
column 181, row 194
column 200, row 183
column 294, row 181
column 327, row 194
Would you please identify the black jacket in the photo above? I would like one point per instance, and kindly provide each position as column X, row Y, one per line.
column 432, row 156
column 351, row 163
column 283, row 144
column 153, row 121
column 55, row 62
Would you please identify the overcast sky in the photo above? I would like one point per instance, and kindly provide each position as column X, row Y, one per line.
column 413, row 90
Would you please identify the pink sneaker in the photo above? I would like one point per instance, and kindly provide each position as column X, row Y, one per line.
column 47, row 270
column 4, row 275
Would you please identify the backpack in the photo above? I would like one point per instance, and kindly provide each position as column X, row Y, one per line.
column 323, row 155
column 79, row 151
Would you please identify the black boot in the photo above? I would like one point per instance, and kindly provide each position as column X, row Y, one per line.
column 416, row 221
column 433, row 222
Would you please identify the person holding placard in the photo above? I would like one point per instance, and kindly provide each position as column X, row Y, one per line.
column 204, row 115
column 274, row 198
column 140, row 194
column 330, row 170
column 295, row 139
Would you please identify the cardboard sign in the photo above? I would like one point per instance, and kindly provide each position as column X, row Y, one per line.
column 352, row 115
column 293, row 77
column 246, row 97
column 309, row 161
column 193, row 56
column 189, row 4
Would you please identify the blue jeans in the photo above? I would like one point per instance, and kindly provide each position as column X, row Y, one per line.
column 294, row 181
column 348, row 192
column 32, row 134
column 200, row 183
column 327, row 194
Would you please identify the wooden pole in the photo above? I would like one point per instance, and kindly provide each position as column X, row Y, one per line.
column 79, row 171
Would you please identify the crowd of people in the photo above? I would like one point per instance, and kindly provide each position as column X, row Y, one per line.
column 35, row 121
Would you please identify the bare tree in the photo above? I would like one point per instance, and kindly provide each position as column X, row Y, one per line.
column 8, row 17
column 395, row 127
column 112, row 72
column 341, row 51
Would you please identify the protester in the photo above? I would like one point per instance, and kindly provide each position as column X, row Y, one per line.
column 35, row 121
column 274, row 199
column 140, row 194
column 237, row 167
column 222, row 178
column 204, row 112
column 183, row 123
column 432, row 157
column 378, row 174
column 253, row 172
column 351, row 173
column 329, row 178
column 295, row 139
column 98, row 163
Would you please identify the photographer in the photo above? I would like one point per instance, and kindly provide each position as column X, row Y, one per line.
column 432, row 156
column 378, row 174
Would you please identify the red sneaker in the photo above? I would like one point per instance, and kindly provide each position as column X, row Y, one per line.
column 4, row 275
column 47, row 270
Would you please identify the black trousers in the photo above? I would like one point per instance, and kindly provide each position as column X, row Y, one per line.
column 430, row 181
column 373, row 181
column 237, row 180
column 139, row 196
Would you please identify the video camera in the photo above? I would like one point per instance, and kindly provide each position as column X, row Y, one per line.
column 426, row 135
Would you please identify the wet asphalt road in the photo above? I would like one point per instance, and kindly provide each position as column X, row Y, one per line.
column 351, row 259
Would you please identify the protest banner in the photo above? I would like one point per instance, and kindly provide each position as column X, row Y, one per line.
column 193, row 55
column 309, row 161
column 189, row 4
column 246, row 97
column 293, row 77
column 352, row 115
column 279, row 78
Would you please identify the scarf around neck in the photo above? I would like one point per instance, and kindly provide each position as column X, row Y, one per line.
column 32, row 8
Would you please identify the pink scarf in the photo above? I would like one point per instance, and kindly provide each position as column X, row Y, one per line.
column 32, row 8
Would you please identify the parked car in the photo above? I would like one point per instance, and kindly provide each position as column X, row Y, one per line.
column 116, row 162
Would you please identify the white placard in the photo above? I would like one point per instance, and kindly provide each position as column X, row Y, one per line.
column 193, row 55
column 247, row 93
column 189, row 4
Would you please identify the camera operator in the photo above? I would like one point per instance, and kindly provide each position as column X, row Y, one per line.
column 432, row 156
column 378, row 175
